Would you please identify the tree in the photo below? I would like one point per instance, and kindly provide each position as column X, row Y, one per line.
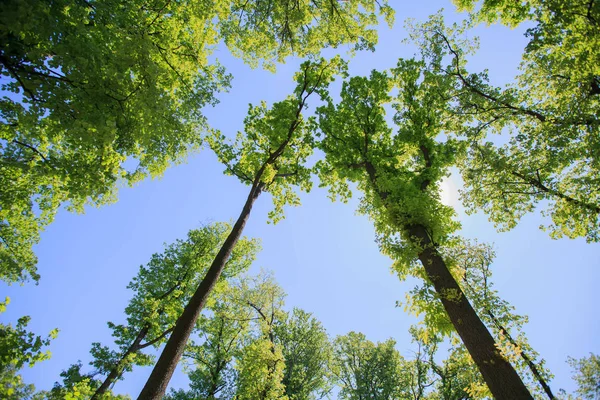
column 455, row 378
column 251, row 348
column 269, row 157
column 587, row 376
column 307, row 353
column 92, row 84
column 12, row 386
column 101, row 92
column 76, row 386
column 223, row 330
column 470, row 264
column 365, row 370
column 399, row 175
column 474, row 261
column 19, row 347
column 261, row 363
column 161, row 290
column 548, row 118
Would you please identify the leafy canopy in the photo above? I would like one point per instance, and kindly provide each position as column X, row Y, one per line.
column 277, row 141
column 19, row 347
column 548, row 118
column 96, row 93
column 398, row 172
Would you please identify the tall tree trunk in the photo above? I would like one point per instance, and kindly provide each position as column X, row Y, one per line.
column 115, row 373
column 500, row 376
column 156, row 386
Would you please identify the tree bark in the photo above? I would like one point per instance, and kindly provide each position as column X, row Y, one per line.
column 156, row 386
column 499, row 375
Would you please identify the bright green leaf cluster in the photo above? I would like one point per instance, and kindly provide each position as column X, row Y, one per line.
column 18, row 348
column 549, row 118
column 277, row 141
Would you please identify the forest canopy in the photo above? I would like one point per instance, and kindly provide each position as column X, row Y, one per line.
column 438, row 142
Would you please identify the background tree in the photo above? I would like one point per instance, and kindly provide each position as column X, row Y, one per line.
column 473, row 260
column 76, row 386
column 222, row 330
column 261, row 362
column 249, row 347
column 454, row 378
column 400, row 175
column 307, row 353
column 548, row 152
column 470, row 264
column 161, row 289
column 19, row 347
column 587, row 376
column 365, row 370
column 237, row 354
column 100, row 92
column 269, row 157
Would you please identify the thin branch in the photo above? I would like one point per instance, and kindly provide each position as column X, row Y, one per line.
column 468, row 84
column 155, row 340
column 31, row 148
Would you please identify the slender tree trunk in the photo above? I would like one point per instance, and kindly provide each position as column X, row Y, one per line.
column 500, row 376
column 156, row 385
column 115, row 373
column 270, row 369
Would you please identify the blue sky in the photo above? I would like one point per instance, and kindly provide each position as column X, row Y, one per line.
column 323, row 254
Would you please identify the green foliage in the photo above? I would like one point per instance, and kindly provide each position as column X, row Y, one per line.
column 455, row 378
column 260, row 372
column 549, row 118
column 587, row 376
column 511, row 13
column 18, row 348
column 249, row 348
column 77, row 386
column 162, row 288
column 269, row 31
column 103, row 92
column 398, row 172
column 12, row 386
column 470, row 263
column 277, row 141
column 261, row 364
column 365, row 370
column 222, row 329
column 165, row 284
column 307, row 353
column 92, row 85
